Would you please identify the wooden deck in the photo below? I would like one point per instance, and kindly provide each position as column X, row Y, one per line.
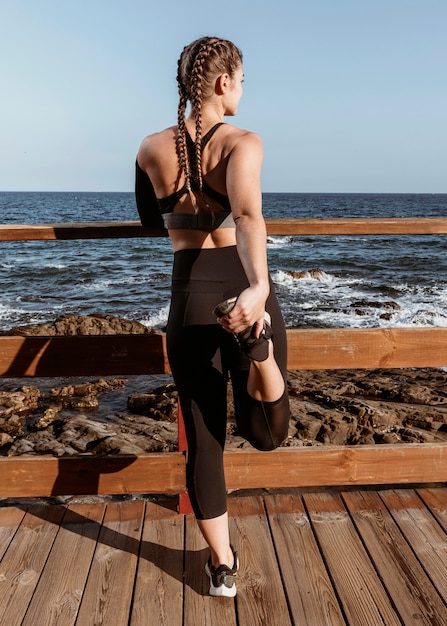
column 318, row 555
column 358, row 557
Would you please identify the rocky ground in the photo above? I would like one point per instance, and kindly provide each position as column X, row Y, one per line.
column 139, row 414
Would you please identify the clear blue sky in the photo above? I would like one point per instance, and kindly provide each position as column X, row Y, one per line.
column 348, row 95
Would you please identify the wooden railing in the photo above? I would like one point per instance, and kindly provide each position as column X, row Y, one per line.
column 146, row 354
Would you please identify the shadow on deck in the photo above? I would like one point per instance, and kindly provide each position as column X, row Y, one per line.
column 361, row 557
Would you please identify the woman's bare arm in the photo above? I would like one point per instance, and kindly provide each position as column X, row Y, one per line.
column 244, row 192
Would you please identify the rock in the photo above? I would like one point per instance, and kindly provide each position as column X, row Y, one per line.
column 373, row 304
column 86, row 403
column 161, row 404
column 342, row 407
column 87, row 389
column 315, row 274
column 49, row 416
column 13, row 426
column 20, row 402
column 5, row 438
column 97, row 324
column 21, row 446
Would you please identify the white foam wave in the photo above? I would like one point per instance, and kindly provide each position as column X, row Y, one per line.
column 55, row 266
column 318, row 299
column 279, row 242
column 157, row 320
column 7, row 312
column 105, row 283
column 97, row 285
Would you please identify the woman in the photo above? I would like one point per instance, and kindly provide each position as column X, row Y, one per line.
column 201, row 179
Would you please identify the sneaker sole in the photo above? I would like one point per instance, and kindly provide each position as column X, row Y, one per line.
column 222, row 591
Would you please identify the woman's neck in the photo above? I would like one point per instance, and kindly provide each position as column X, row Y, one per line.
column 211, row 113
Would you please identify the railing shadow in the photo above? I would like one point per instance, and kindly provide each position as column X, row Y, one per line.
column 82, row 355
column 86, row 471
column 167, row 559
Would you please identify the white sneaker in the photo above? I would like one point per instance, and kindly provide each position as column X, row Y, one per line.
column 222, row 578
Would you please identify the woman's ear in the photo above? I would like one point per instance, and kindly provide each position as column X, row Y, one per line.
column 222, row 83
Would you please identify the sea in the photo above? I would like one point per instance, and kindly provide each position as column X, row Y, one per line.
column 321, row 281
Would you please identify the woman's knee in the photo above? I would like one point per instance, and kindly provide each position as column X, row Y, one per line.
column 269, row 443
column 268, row 424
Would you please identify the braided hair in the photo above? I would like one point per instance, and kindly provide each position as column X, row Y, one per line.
column 197, row 69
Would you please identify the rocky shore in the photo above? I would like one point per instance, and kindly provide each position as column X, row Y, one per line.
column 139, row 414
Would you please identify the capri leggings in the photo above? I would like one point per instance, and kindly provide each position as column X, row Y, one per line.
column 202, row 356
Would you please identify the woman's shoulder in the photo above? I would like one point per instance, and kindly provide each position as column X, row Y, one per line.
column 167, row 134
column 156, row 143
column 240, row 133
column 240, row 138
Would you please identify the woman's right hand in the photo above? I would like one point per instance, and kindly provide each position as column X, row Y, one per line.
column 248, row 311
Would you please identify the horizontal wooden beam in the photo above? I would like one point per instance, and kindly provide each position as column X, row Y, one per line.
column 283, row 468
column 42, row 476
column 358, row 226
column 77, row 230
column 339, row 466
column 366, row 348
column 85, row 355
column 299, row 226
column 309, row 349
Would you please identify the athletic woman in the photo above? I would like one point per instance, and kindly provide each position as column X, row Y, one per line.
column 201, row 180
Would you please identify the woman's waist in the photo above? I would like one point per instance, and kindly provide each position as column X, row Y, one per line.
column 207, row 267
column 185, row 239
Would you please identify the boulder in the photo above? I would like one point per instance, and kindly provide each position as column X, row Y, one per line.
column 96, row 324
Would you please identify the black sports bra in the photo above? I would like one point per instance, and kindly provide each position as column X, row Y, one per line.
column 165, row 216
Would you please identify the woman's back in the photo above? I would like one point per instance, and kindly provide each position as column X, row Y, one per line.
column 158, row 157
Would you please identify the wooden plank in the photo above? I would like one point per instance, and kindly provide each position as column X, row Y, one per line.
column 32, row 476
column 358, row 586
column 77, row 230
column 260, row 593
column 164, row 472
column 309, row 349
column 410, row 589
column 158, row 595
column 89, row 355
column 357, row 348
column 427, row 539
column 335, row 466
column 436, row 499
column 199, row 606
column 300, row 226
column 10, row 519
column 24, row 561
column 58, row 594
column 309, row 590
column 108, row 593
column 357, row 226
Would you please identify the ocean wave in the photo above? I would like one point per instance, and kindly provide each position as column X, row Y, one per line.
column 279, row 242
column 353, row 282
column 54, row 266
column 156, row 320
column 104, row 285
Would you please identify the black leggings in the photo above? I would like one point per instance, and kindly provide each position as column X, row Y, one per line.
column 201, row 355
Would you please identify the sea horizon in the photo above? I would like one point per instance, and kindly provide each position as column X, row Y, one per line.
column 321, row 282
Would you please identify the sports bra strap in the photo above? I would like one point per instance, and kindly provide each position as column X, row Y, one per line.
column 207, row 136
